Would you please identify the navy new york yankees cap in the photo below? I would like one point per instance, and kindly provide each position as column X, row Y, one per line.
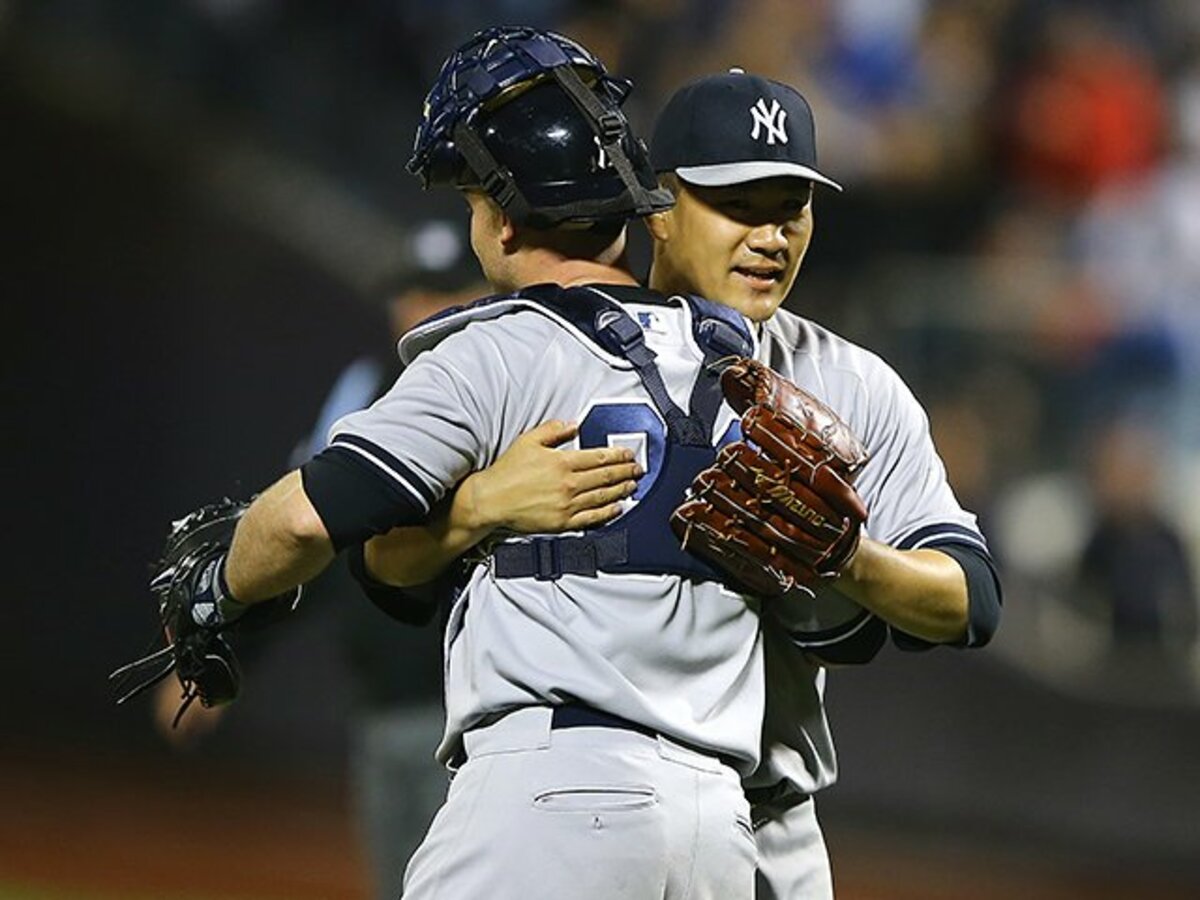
column 733, row 128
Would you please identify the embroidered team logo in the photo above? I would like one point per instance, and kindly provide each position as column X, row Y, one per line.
column 769, row 120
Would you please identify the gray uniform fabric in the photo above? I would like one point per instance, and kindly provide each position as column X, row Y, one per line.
column 533, row 808
column 911, row 504
column 910, row 501
column 684, row 657
column 584, row 812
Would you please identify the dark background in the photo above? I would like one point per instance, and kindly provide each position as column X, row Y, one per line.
column 196, row 202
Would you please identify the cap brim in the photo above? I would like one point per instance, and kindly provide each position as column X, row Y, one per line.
column 726, row 174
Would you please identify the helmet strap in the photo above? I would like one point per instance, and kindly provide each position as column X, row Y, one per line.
column 495, row 179
column 610, row 127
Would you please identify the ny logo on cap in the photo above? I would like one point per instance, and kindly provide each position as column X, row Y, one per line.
column 769, row 118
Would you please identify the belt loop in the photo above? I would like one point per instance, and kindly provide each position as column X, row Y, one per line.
column 548, row 562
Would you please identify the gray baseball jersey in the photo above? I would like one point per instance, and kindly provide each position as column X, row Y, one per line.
column 680, row 655
column 629, row 643
column 911, row 505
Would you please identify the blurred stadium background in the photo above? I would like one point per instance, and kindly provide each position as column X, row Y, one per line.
column 199, row 200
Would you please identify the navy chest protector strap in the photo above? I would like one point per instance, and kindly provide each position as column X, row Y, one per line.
column 640, row 541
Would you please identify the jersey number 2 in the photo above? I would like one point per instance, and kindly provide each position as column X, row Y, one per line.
column 638, row 427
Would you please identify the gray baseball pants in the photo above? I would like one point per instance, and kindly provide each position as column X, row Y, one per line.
column 793, row 863
column 587, row 813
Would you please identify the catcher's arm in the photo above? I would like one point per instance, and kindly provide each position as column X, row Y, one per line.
column 531, row 489
column 281, row 542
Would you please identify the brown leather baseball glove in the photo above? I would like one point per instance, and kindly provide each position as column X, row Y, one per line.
column 779, row 508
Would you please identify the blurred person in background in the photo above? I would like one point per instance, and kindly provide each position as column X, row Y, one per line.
column 396, row 673
column 899, row 86
column 1087, row 110
column 1128, row 185
column 1088, row 248
column 1135, row 573
column 1137, row 247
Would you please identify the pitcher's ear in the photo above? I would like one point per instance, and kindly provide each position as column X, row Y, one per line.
column 659, row 225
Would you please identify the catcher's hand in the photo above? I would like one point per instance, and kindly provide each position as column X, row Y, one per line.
column 778, row 509
column 197, row 613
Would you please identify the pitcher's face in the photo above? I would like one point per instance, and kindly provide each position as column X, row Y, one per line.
column 740, row 245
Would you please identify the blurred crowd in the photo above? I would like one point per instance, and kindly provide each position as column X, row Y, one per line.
column 1021, row 233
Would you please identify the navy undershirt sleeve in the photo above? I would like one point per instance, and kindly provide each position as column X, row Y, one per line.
column 415, row 605
column 856, row 649
column 354, row 499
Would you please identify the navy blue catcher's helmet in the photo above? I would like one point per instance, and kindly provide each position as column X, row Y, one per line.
column 535, row 120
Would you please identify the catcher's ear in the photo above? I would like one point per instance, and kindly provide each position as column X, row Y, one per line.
column 508, row 229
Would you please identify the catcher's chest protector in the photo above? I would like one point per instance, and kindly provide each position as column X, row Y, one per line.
column 640, row 541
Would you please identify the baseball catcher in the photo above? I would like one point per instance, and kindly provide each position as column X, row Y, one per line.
column 197, row 614
column 778, row 509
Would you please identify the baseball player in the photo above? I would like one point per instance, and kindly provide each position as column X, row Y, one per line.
column 739, row 154
column 603, row 696
column 397, row 719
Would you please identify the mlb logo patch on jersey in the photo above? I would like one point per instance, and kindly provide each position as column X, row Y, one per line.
column 651, row 321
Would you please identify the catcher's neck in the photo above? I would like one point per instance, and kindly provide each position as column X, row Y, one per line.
column 541, row 265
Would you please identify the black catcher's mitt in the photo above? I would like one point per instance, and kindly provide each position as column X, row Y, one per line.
column 779, row 509
column 197, row 615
